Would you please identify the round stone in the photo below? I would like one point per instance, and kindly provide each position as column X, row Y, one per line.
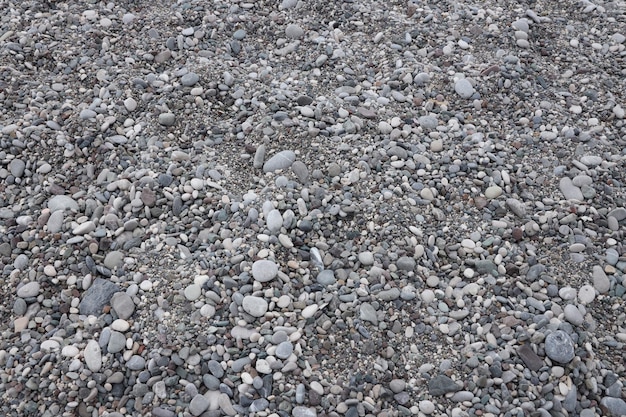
column 559, row 347
column 284, row 350
column 30, row 289
column 264, row 270
column 427, row 407
column 167, row 119
column 366, row 258
column 193, row 292
column 464, row 88
column 255, row 306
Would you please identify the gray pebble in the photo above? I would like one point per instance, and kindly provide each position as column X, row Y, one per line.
column 569, row 190
column 441, row 385
column 97, row 296
column 284, row 350
column 294, row 31
column 123, row 305
column 282, row 160
column 559, row 347
column 198, row 405
column 188, row 80
column 62, row 202
column 601, row 282
column 17, row 167
column 167, row 119
column 517, row 207
column 464, row 88
column 326, row 277
column 255, row 306
column 30, row 289
column 136, row 363
column 573, row 315
column 264, row 270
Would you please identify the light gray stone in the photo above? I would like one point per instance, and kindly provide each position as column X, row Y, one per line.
column 62, row 202
column 264, row 270
column 601, row 282
column 255, row 306
column 123, row 305
column 93, row 356
column 30, row 289
column 464, row 88
column 569, row 190
column 281, row 160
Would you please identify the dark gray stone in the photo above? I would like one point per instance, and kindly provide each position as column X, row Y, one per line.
column 441, row 385
column 530, row 358
column 97, row 296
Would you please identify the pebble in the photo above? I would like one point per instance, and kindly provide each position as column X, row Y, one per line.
column 441, row 385
column 264, row 270
column 255, row 306
column 573, row 315
column 30, row 289
column 294, row 31
column 569, row 190
column 601, row 282
column 93, row 356
column 464, row 88
column 188, row 80
column 281, row 160
column 366, row 258
column 167, row 119
column 559, row 347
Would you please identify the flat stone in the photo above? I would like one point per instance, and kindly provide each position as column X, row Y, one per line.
column 397, row 385
column 284, row 349
column 55, row 221
column 198, row 405
column 326, row 277
column 117, row 342
column 559, row 347
column 493, row 192
column 601, row 282
column 613, row 407
column 255, row 306
column 569, row 190
column 120, row 325
column 136, row 363
column 517, row 207
column 189, row 79
column 586, row 294
column 368, row 313
column 441, row 385
column 389, row 295
column 17, row 167
column 93, row 356
column 293, row 31
column 281, row 160
column 464, row 88
column 366, row 258
column 428, row 122
column 167, row 119
column 301, row 171
column 97, row 296
column 274, row 220
column 113, row 259
column 302, row 411
column 406, row 263
column 123, row 305
column 573, row 315
column 30, row 289
column 84, row 228
column 426, row 406
column 530, row 358
column 264, row 270
column 62, row 202
column 193, row 292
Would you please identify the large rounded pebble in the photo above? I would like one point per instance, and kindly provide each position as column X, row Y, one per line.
column 464, row 88
column 167, row 119
column 198, row 405
column 136, row 363
column 309, row 311
column 113, row 259
column 130, row 104
column 274, row 220
column 62, row 202
column 281, row 160
column 17, row 167
column 255, row 306
column 294, row 31
column 120, row 325
column 193, row 292
column 302, row 411
column 30, row 289
column 326, row 277
column 559, row 346
column 123, row 305
column 366, row 258
column 569, row 190
column 493, row 192
column 586, row 294
column 397, row 385
column 189, row 79
column 264, row 270
column 427, row 407
column 601, row 282
column 93, row 356
column 573, row 315
column 284, row 350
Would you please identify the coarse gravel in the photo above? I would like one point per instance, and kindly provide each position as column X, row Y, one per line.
column 303, row 208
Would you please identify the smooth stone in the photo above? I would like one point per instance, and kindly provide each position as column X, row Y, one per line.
column 389, row 295
column 427, row 407
column 113, row 259
column 21, row 262
column 189, row 79
column 301, row 171
column 309, row 311
column 264, row 270
column 302, row 411
column 441, row 385
column 193, row 292
column 493, row 192
column 573, row 315
column 167, row 119
column 120, row 325
column 586, row 294
column 97, row 296
column 326, row 277
column 366, row 258
column 198, row 405
column 62, row 202
column 274, row 220
column 116, row 343
column 517, row 207
column 397, row 385
column 239, row 34
column 569, row 190
column 529, row 357
column 86, row 114
column 136, row 363
column 284, row 350
column 20, row 307
column 281, row 160
column 70, row 351
column 17, row 168
column 601, row 282
column 614, row 406
column 255, row 306
column 293, row 31
column 591, row 160
column 464, row 88
column 559, row 347
column 130, row 104
column 30, row 289
column 93, row 356
column 406, row 263
column 55, row 221
column 428, row 122
column 84, row 228
column 619, row 213
column 123, row 305
column 226, row 405
column 368, row 313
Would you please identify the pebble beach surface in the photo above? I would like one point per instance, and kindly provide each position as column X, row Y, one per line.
column 305, row 208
